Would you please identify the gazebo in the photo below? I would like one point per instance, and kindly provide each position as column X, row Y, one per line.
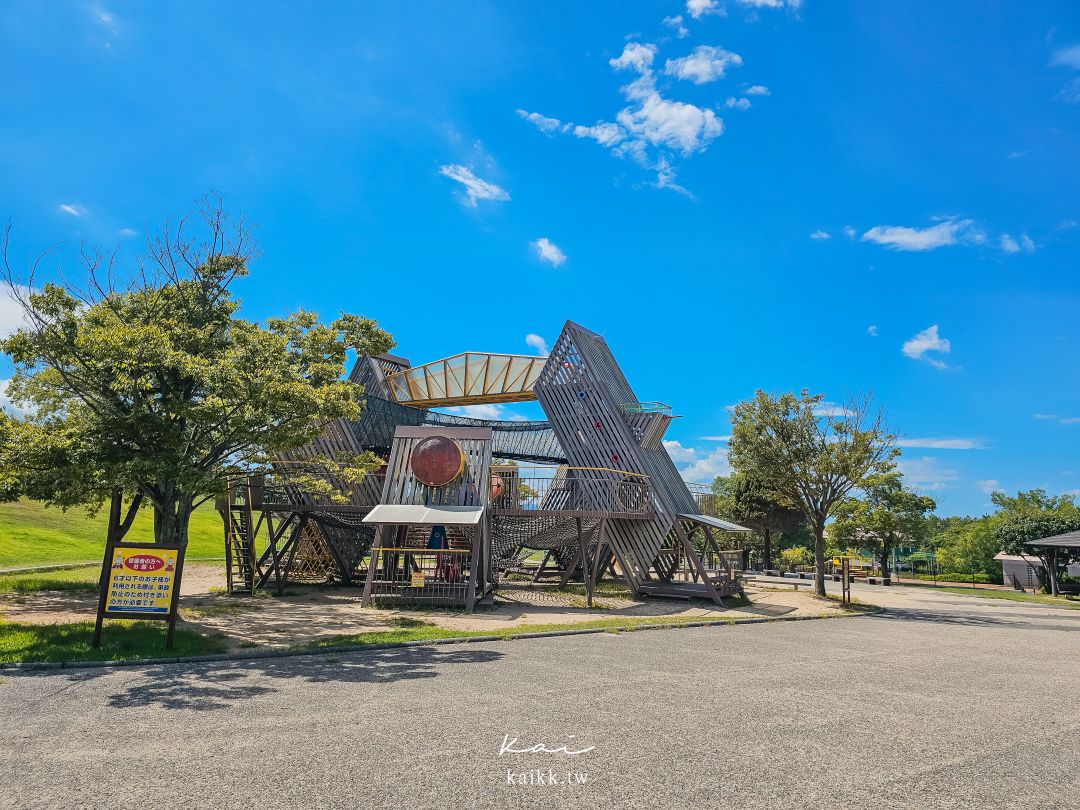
column 1052, row 546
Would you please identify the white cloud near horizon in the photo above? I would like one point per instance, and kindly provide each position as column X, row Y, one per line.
column 698, row 467
column 485, row 411
column 72, row 209
column 924, row 342
column 706, row 63
column 537, row 343
column 475, row 188
column 548, row 251
column 989, row 485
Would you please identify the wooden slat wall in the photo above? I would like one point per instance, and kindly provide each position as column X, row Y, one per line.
column 582, row 389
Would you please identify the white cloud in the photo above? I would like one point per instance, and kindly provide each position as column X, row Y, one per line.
column 127, row 233
column 635, row 55
column 676, row 125
column 1045, row 415
column 698, row 8
column 820, row 235
column 1010, row 245
column 73, row 209
column 1070, row 420
column 475, row 188
column 989, row 485
column 485, row 411
column 770, row 3
column 927, row 472
column 941, row 444
column 871, row 330
column 542, row 122
column 757, row 90
column 832, row 409
column 949, row 232
column 538, row 343
column 715, row 438
column 706, row 63
column 850, row 232
column 12, row 315
column 738, row 103
column 1019, row 154
column 549, row 251
column 676, row 23
column 928, row 340
column 605, row 134
column 6, row 405
column 697, row 467
column 1067, row 57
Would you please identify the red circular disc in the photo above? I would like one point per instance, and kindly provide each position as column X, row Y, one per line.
column 437, row 461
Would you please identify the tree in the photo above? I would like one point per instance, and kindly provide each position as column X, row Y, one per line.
column 155, row 390
column 969, row 545
column 810, row 454
column 886, row 515
column 755, row 506
column 1033, row 515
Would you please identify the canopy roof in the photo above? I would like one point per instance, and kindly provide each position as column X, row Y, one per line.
column 716, row 523
column 1067, row 540
column 420, row 515
column 471, row 378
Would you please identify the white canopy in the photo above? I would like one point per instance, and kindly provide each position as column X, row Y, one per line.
column 420, row 515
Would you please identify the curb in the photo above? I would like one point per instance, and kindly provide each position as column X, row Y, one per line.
column 296, row 653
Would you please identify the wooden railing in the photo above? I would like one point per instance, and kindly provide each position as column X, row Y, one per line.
column 531, row 490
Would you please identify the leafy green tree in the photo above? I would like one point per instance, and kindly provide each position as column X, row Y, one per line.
column 1033, row 515
column 751, row 503
column 155, row 390
column 887, row 515
column 810, row 455
column 969, row 545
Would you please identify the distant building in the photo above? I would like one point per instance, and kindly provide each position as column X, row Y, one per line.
column 1020, row 570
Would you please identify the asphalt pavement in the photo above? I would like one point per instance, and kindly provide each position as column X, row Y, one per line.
column 942, row 701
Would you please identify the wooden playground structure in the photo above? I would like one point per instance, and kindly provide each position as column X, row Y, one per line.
column 462, row 501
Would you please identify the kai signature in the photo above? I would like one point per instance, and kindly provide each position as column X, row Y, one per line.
column 514, row 746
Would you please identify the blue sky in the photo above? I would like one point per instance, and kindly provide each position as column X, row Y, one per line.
column 738, row 195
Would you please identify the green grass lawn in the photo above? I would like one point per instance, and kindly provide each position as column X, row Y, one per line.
column 120, row 640
column 1009, row 596
column 32, row 535
column 66, row 579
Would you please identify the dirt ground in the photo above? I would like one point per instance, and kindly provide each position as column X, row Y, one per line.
column 309, row 613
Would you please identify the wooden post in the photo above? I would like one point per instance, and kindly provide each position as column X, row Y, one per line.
column 692, row 555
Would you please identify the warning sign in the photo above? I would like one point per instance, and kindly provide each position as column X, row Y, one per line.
column 141, row 580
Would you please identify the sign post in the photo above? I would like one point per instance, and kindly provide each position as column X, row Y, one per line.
column 140, row 581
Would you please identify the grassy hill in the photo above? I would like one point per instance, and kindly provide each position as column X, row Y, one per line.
column 30, row 534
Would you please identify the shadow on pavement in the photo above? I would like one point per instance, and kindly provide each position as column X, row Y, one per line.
column 224, row 684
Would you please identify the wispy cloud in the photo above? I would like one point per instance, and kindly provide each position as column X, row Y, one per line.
column 926, row 342
column 676, row 23
column 871, row 330
column 72, row 209
column 475, row 188
column 733, row 103
column 928, row 443
column 927, row 472
column 706, row 63
column 793, row 4
column 548, row 251
column 820, row 235
column 486, row 411
column 651, row 129
column 1061, row 420
column 1069, row 58
column 757, row 90
column 715, row 438
column 949, row 232
column 1011, row 245
column 127, row 233
column 537, row 343
column 831, row 410
column 989, row 485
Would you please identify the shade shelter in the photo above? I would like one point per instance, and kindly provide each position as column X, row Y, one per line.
column 1053, row 546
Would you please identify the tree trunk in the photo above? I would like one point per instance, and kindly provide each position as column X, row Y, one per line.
column 172, row 515
column 886, row 550
column 819, row 557
column 767, row 534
